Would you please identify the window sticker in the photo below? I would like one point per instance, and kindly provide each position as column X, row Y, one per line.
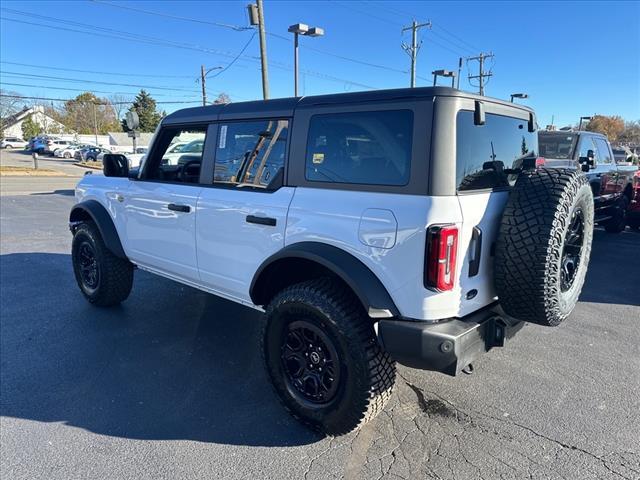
column 318, row 158
column 223, row 137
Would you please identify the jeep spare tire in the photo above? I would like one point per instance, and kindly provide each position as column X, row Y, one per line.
column 544, row 243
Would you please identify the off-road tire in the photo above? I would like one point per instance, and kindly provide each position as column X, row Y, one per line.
column 531, row 242
column 367, row 373
column 115, row 275
column 618, row 222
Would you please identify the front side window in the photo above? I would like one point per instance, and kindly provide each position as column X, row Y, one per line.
column 372, row 148
column 487, row 154
column 251, row 154
column 176, row 165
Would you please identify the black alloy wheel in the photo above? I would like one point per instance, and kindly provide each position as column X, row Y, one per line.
column 310, row 362
column 572, row 250
column 88, row 265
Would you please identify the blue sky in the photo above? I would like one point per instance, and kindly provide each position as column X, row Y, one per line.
column 572, row 58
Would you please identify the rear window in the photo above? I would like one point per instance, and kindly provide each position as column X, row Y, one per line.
column 557, row 146
column 487, row 154
column 372, row 148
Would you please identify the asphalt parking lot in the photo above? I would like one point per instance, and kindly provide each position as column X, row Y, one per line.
column 171, row 384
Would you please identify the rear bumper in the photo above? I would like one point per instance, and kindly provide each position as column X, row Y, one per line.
column 450, row 345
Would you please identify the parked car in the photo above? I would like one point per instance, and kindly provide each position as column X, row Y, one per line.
column 70, row 150
column 136, row 158
column 373, row 248
column 38, row 144
column 633, row 213
column 53, row 143
column 177, row 150
column 90, row 154
column 611, row 183
column 12, row 142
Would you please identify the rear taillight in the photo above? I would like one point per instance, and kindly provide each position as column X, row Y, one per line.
column 440, row 258
column 540, row 162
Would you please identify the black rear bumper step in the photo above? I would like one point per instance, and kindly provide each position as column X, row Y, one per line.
column 450, row 345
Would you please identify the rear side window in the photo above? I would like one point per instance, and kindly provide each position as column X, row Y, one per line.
column 372, row 148
column 251, row 154
column 486, row 154
column 604, row 154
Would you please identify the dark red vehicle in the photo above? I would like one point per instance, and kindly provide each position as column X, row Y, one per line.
column 633, row 212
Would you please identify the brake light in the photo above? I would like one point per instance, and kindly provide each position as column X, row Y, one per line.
column 540, row 162
column 440, row 258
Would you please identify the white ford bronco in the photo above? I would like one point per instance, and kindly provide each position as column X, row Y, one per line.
column 409, row 225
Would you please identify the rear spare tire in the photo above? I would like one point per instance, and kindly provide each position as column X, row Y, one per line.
column 543, row 246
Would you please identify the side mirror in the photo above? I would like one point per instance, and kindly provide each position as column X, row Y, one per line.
column 115, row 165
column 588, row 162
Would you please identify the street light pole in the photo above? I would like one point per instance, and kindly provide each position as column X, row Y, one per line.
column 295, row 64
column 583, row 118
column 204, row 88
column 203, row 81
column 301, row 29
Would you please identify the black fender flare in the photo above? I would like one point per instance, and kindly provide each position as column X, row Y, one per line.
column 93, row 210
column 364, row 283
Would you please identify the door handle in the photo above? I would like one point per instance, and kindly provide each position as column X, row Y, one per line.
column 261, row 220
column 179, row 208
column 474, row 263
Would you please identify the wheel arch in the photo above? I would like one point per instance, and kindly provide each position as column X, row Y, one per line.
column 306, row 260
column 92, row 210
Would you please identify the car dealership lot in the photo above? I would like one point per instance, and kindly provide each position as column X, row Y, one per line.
column 171, row 383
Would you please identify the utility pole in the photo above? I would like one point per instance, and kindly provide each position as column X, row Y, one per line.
column 203, row 77
column 481, row 73
column 412, row 50
column 459, row 72
column 95, row 122
column 263, row 51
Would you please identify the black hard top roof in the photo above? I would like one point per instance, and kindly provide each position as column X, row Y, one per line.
column 286, row 106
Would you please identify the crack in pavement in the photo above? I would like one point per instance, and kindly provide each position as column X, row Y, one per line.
column 431, row 408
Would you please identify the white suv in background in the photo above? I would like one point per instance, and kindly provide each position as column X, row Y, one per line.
column 12, row 142
column 410, row 225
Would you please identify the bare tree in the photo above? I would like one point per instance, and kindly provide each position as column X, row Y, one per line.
column 10, row 103
column 121, row 104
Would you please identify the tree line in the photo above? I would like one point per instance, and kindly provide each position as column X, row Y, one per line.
column 87, row 113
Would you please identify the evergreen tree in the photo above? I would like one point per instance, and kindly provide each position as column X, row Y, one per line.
column 145, row 106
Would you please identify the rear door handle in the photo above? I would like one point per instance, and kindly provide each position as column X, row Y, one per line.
column 261, row 220
column 179, row 208
column 474, row 263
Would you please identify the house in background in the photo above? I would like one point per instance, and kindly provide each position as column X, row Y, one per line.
column 12, row 125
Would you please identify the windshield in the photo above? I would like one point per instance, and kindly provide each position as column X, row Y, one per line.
column 557, row 146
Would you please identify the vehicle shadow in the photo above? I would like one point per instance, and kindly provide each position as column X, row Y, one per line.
column 611, row 277
column 169, row 363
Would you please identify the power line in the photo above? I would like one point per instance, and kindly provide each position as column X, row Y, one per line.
column 460, row 44
column 33, row 75
column 50, row 99
column 160, row 42
column 236, row 28
column 239, row 28
column 95, row 71
column 47, row 87
column 237, row 56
